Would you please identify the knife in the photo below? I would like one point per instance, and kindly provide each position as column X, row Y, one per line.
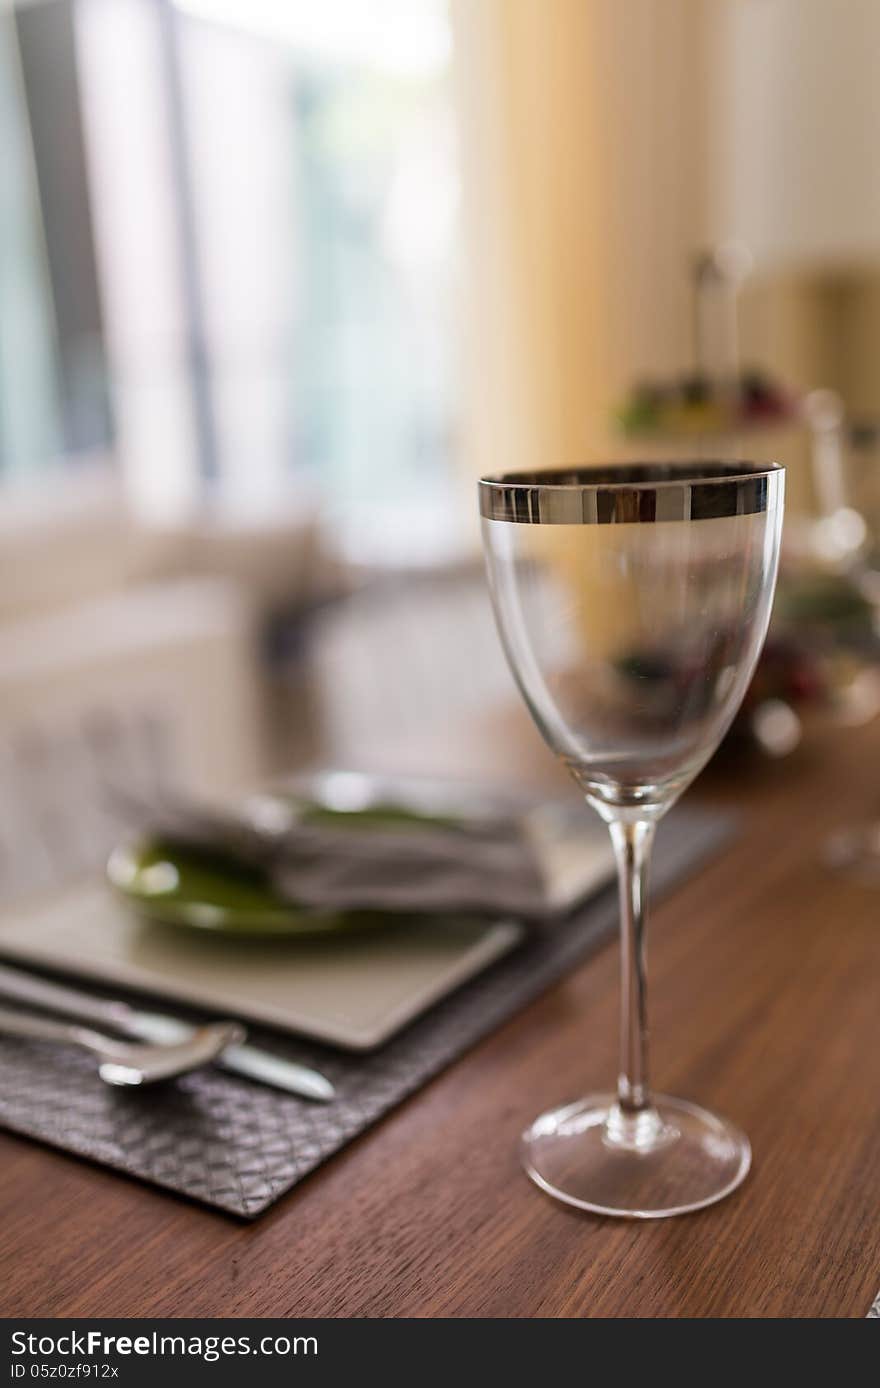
column 242, row 1059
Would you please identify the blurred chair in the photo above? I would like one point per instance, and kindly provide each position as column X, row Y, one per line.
column 68, row 536
column 404, row 654
column 74, row 535
column 152, row 687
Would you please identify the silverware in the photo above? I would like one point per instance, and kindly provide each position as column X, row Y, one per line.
column 121, row 1062
column 240, row 1057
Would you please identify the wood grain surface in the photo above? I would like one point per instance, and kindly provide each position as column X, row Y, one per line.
column 765, row 1004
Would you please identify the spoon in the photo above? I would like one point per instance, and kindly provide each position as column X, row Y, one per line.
column 124, row 1062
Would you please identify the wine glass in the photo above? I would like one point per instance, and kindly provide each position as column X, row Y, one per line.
column 632, row 602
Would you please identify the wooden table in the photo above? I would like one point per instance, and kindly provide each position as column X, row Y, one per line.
column 765, row 973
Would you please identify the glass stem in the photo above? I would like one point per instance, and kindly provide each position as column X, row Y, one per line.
column 632, row 850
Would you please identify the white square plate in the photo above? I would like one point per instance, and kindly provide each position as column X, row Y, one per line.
column 353, row 990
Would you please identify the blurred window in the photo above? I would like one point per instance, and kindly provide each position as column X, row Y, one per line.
column 28, row 365
column 252, row 232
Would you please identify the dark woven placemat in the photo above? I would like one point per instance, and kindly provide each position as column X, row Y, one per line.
column 239, row 1146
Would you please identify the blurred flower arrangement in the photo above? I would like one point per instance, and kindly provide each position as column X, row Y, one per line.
column 821, row 659
column 697, row 404
column 822, row 655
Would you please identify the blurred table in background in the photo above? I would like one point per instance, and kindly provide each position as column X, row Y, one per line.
column 765, row 976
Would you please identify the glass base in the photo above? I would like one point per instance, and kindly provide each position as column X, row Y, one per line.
column 669, row 1160
column 856, row 852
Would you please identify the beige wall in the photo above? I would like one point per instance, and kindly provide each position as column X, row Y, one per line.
column 592, row 153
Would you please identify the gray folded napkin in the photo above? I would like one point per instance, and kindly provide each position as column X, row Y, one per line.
column 488, row 867
column 491, row 870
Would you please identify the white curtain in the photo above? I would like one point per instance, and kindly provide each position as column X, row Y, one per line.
column 583, row 136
